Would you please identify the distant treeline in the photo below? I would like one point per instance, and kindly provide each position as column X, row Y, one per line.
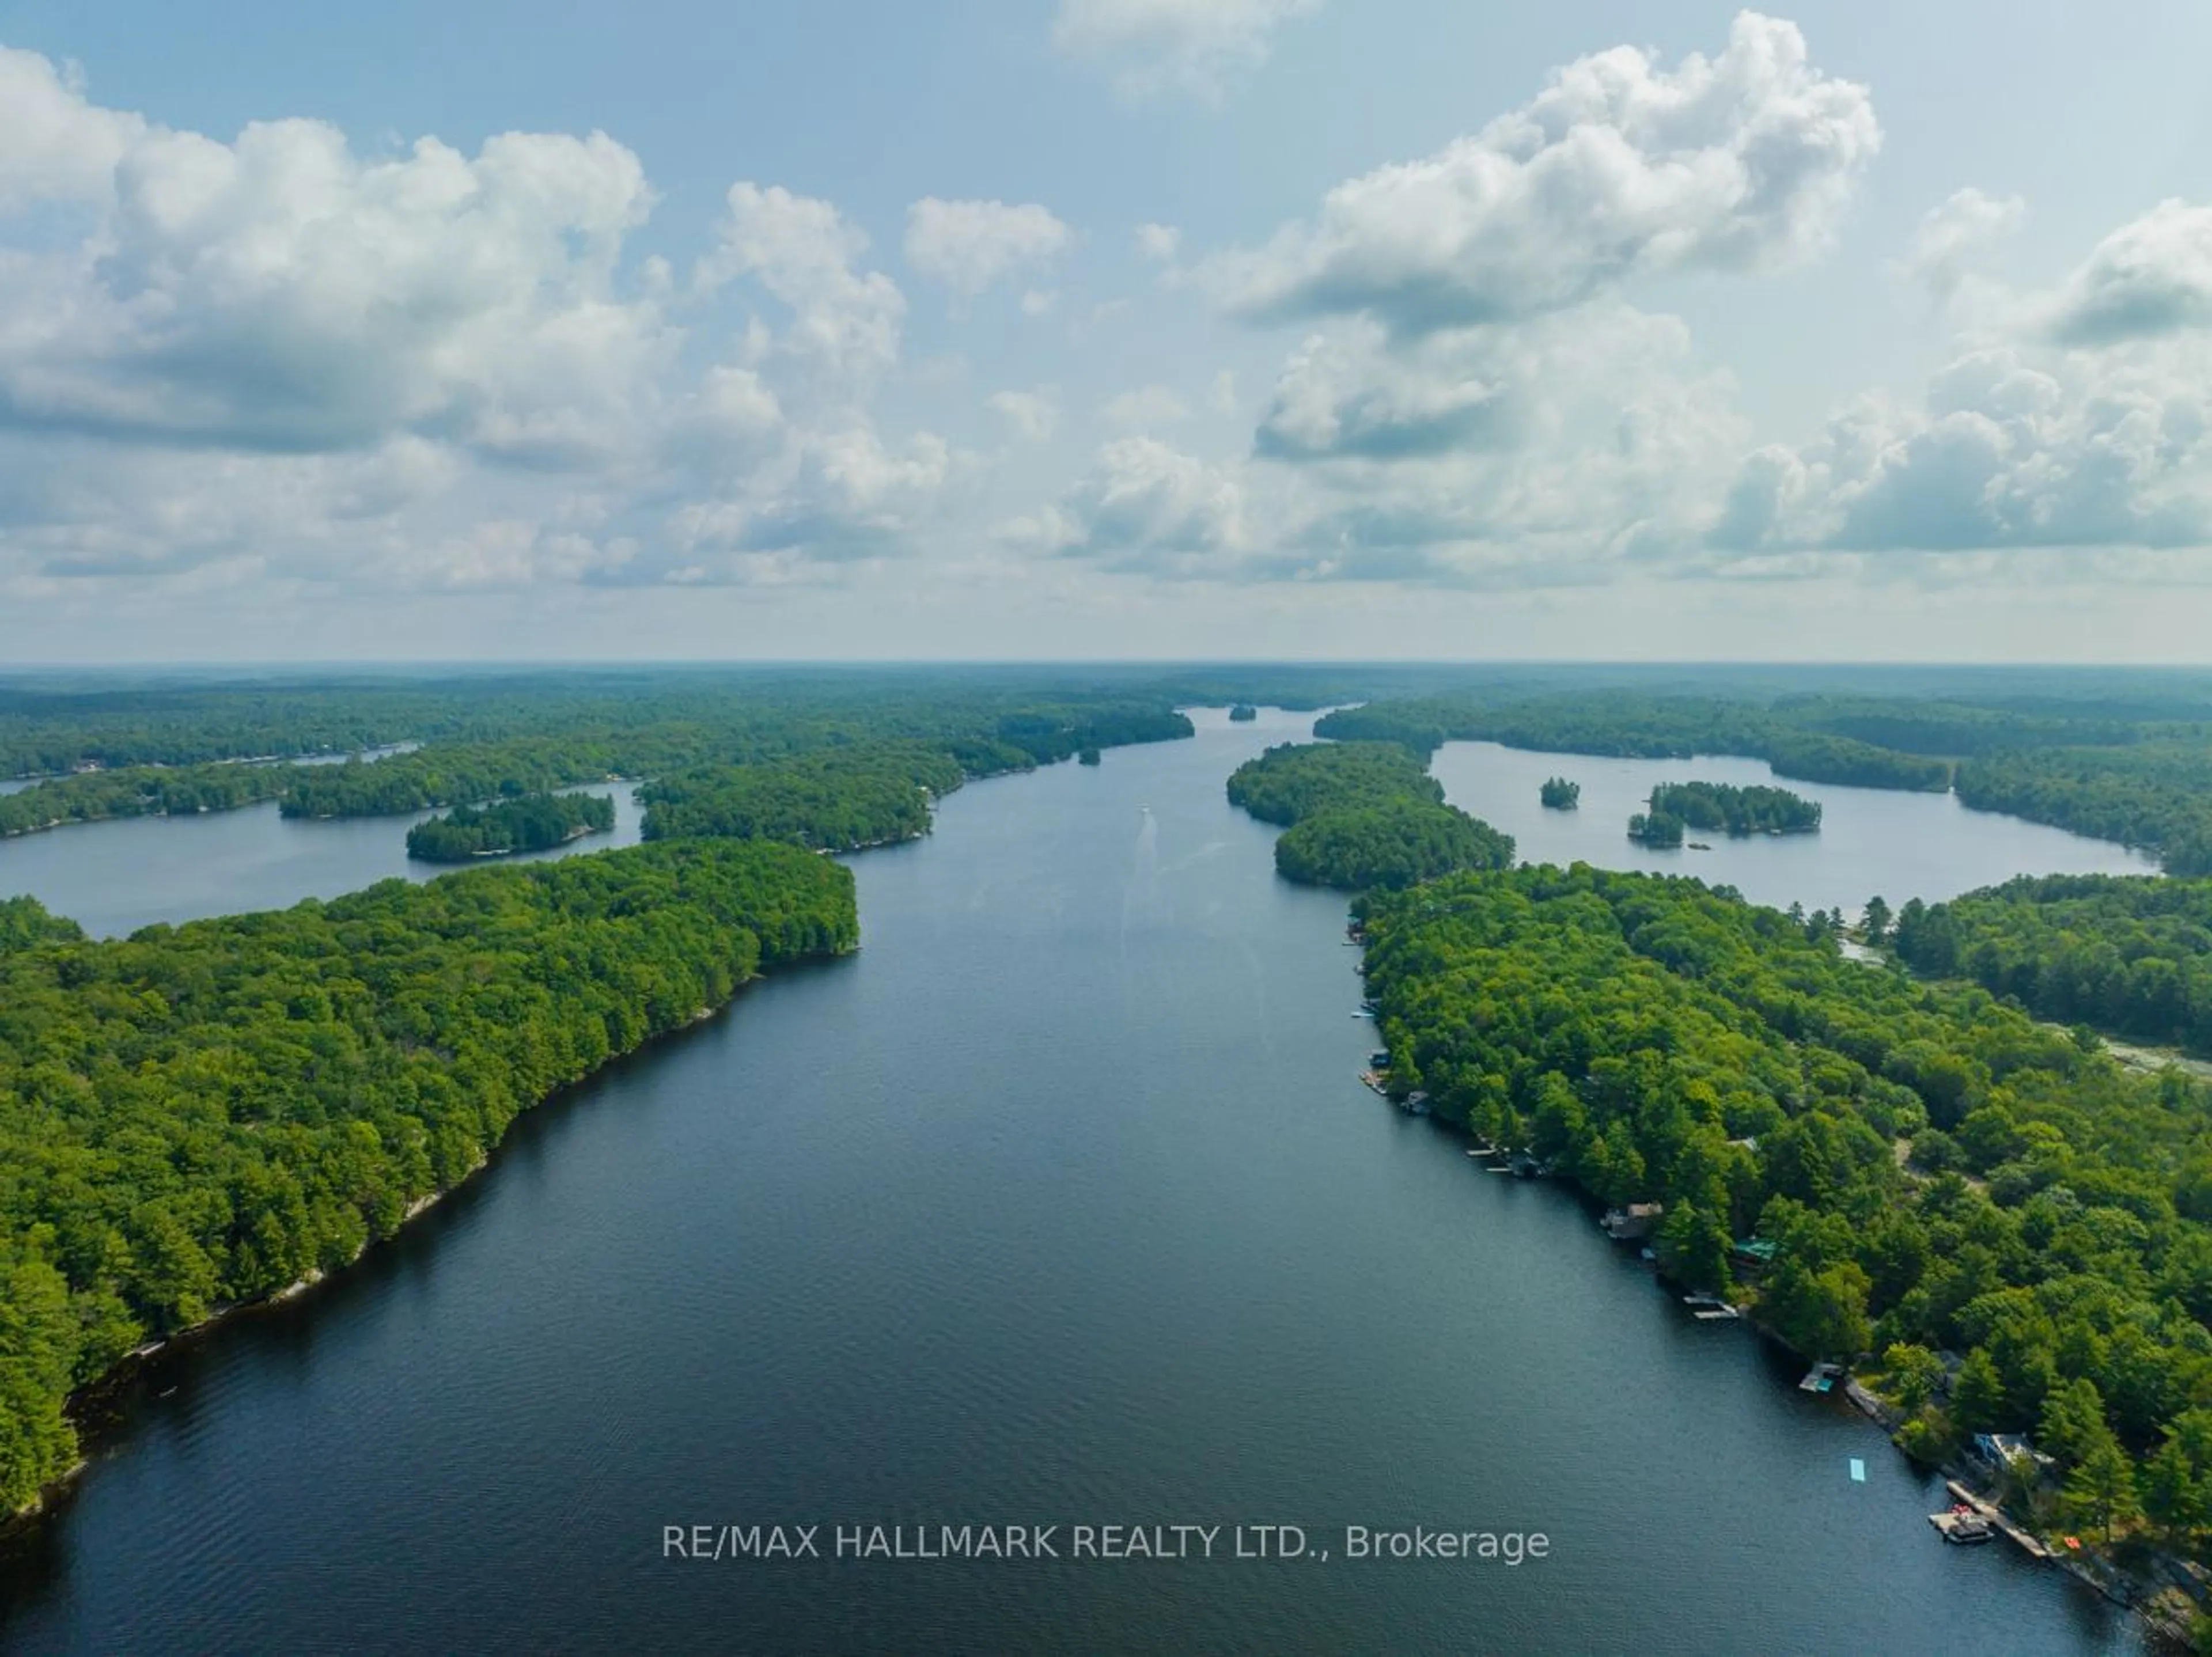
column 1361, row 816
column 2154, row 794
column 139, row 791
column 2137, row 769
column 2126, row 954
column 986, row 732
column 204, row 1114
column 530, row 823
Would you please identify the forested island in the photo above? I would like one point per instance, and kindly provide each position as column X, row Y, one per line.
column 530, row 823
column 1558, row 794
column 1243, row 714
column 1361, row 816
column 1659, row 830
column 1752, row 810
column 1292, row 781
column 839, row 801
column 208, row 1114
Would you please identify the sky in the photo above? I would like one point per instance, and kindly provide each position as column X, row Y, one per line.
column 1105, row 329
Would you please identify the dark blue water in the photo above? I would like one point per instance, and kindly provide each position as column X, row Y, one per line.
column 1058, row 1204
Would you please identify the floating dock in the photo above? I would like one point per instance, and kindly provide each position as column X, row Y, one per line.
column 1990, row 1512
column 1821, row 1378
column 1962, row 1527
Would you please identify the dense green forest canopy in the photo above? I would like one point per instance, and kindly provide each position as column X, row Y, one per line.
column 1558, row 794
column 1362, row 814
column 1355, row 848
column 204, row 1114
column 837, row 801
column 139, row 790
column 2121, row 754
column 530, row 823
column 2155, row 794
column 2125, row 759
column 2129, row 955
column 51, row 724
column 1745, row 810
column 1294, row 781
column 1660, row 830
column 48, row 729
column 988, row 734
column 524, row 743
column 24, row 921
column 1936, row 1171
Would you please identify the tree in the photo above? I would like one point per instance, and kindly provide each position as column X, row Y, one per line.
column 2177, row 1493
column 1693, row 1244
column 1912, row 1375
column 2074, row 1425
column 1877, row 920
column 2102, row 1490
column 1978, row 1395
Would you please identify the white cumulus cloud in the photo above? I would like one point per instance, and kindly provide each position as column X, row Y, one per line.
column 1954, row 239
column 1198, row 48
column 969, row 245
column 1143, row 505
column 2150, row 278
column 1619, row 166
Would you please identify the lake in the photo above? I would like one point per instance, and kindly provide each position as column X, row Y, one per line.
column 115, row 876
column 1871, row 841
column 1058, row 1204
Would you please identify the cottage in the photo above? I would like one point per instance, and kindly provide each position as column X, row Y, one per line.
column 2001, row 1452
column 1634, row 1223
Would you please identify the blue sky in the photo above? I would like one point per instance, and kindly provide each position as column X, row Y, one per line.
column 1105, row 328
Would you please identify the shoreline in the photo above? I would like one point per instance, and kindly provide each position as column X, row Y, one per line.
column 2167, row 1625
column 109, row 1387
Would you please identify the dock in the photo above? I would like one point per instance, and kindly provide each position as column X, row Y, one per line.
column 1821, row 1378
column 1994, row 1516
column 1962, row 1527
